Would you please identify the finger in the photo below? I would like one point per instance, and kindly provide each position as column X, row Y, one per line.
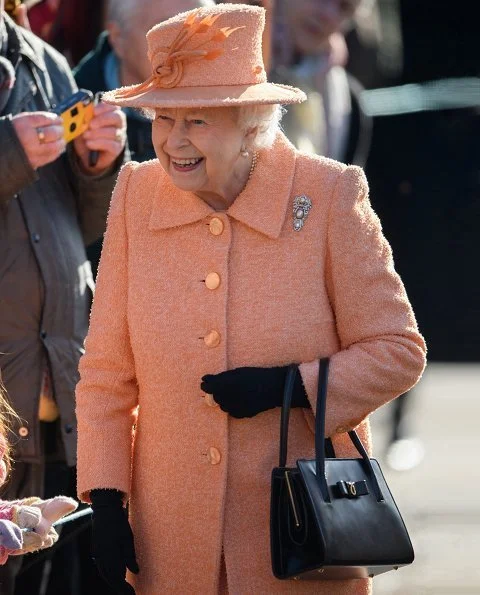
column 130, row 558
column 27, row 517
column 103, row 108
column 104, row 145
column 107, row 118
column 108, row 132
column 205, row 386
column 31, row 541
column 56, row 508
column 40, row 118
column 48, row 134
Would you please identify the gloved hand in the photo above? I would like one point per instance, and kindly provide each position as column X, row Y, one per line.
column 10, row 535
column 34, row 518
column 112, row 539
column 10, row 539
column 244, row 392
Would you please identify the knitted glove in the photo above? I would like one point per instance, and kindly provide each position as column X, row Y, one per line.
column 244, row 392
column 112, row 539
column 37, row 516
column 10, row 535
column 10, row 539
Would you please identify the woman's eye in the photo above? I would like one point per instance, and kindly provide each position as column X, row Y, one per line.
column 163, row 117
column 198, row 122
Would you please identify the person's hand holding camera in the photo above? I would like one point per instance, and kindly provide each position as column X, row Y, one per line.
column 106, row 134
column 41, row 136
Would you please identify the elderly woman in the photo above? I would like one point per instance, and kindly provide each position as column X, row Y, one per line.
column 227, row 258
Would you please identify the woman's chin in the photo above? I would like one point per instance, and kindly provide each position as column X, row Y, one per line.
column 186, row 183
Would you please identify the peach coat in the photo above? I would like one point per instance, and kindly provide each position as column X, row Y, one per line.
column 198, row 480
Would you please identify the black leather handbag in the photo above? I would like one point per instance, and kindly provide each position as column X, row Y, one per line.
column 332, row 518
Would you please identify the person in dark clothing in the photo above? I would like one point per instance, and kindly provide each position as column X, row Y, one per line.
column 119, row 59
column 52, row 202
column 308, row 50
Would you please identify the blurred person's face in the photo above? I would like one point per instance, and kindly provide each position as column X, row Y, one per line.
column 129, row 42
column 200, row 148
column 312, row 22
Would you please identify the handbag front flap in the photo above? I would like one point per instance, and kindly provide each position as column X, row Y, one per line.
column 357, row 528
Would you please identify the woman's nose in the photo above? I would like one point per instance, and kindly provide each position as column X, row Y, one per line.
column 177, row 136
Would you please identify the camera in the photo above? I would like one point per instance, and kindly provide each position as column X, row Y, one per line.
column 76, row 112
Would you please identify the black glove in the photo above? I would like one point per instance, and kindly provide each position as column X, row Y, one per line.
column 112, row 540
column 244, row 392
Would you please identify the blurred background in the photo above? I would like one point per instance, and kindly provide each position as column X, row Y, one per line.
column 411, row 118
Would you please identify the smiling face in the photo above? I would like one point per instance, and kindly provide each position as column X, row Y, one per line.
column 200, row 150
column 313, row 21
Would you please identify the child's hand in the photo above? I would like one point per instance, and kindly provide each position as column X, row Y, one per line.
column 38, row 516
column 10, row 535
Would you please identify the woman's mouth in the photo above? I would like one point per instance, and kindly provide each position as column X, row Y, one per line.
column 184, row 165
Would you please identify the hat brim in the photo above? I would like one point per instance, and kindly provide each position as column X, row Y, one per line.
column 221, row 96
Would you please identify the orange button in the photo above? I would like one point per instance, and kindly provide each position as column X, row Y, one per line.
column 216, row 226
column 213, row 456
column 212, row 280
column 212, row 339
column 23, row 432
column 210, row 401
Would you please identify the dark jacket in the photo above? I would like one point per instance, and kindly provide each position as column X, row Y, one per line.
column 46, row 216
column 90, row 74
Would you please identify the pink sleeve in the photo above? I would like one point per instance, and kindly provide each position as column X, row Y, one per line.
column 382, row 354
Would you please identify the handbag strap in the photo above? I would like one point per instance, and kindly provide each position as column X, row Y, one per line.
column 320, row 438
column 285, row 416
column 292, row 371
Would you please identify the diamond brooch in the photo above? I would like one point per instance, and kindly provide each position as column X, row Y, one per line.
column 301, row 207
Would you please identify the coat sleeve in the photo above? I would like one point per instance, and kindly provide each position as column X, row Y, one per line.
column 107, row 394
column 382, row 354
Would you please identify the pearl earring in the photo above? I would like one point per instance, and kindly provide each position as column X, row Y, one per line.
column 244, row 152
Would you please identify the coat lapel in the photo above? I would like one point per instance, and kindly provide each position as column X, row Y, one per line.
column 173, row 207
column 264, row 202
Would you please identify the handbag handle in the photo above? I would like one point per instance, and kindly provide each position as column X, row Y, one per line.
column 292, row 371
column 320, row 438
column 285, row 416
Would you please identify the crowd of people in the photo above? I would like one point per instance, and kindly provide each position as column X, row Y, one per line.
column 239, row 239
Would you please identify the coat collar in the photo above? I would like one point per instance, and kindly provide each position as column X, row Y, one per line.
column 261, row 206
column 19, row 46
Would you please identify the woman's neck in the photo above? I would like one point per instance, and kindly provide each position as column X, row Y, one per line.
column 223, row 198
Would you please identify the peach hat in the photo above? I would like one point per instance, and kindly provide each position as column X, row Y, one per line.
column 208, row 57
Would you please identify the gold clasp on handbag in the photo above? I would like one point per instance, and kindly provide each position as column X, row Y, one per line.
column 292, row 501
column 352, row 490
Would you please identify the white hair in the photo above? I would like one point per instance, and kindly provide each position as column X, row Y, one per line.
column 265, row 118
column 122, row 11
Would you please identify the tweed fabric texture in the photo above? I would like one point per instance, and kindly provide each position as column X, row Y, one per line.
column 199, row 481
